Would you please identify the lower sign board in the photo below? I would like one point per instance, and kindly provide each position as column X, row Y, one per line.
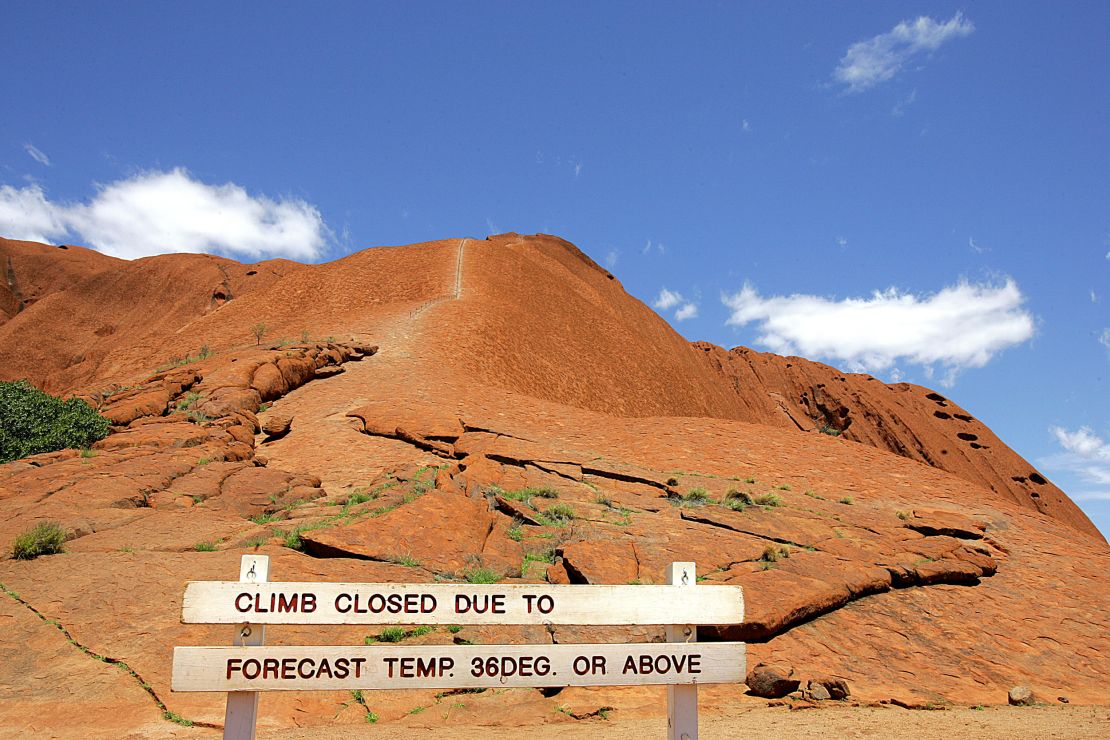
column 450, row 667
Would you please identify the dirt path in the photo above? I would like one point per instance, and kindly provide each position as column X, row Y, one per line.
column 319, row 409
column 991, row 723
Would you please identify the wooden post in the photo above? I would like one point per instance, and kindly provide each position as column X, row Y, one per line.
column 682, row 701
column 241, row 715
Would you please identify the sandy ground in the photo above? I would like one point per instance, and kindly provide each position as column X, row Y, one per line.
column 780, row 723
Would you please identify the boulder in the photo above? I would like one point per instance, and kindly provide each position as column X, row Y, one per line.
column 771, row 682
column 1022, row 696
column 837, row 688
column 277, row 425
column 817, row 692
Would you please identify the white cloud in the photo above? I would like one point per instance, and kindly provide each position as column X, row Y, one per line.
column 611, row 258
column 159, row 212
column 687, row 311
column 841, row 242
column 37, row 154
column 745, row 126
column 1086, row 456
column 27, row 214
column 878, row 59
column 960, row 326
column 1083, row 442
column 667, row 300
column 1104, row 338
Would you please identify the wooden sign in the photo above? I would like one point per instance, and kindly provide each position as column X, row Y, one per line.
column 317, row 668
column 231, row 602
column 243, row 671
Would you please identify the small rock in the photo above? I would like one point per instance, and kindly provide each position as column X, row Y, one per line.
column 837, row 688
column 1062, row 699
column 277, row 425
column 1022, row 696
column 770, row 682
column 818, row 692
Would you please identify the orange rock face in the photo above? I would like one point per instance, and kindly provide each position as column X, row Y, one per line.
column 502, row 409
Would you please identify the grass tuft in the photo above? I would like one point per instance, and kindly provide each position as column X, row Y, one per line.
column 558, row 515
column 481, row 575
column 45, row 538
column 177, row 718
column 767, row 499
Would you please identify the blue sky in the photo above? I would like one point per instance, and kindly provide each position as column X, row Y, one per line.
column 921, row 190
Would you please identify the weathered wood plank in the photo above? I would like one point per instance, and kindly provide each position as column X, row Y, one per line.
column 229, row 602
column 314, row 668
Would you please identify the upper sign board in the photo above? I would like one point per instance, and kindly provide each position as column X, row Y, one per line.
column 232, row 602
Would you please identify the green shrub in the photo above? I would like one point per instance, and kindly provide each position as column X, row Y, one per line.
column 558, row 515
column 32, row 422
column 847, row 500
column 205, row 546
column 767, row 499
column 697, row 496
column 177, row 718
column 392, row 634
column 45, row 538
column 772, row 553
column 481, row 575
column 292, row 539
column 736, row 504
column 525, row 495
column 186, row 401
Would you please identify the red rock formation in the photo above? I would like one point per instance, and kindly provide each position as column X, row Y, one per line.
column 908, row 420
column 514, row 411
